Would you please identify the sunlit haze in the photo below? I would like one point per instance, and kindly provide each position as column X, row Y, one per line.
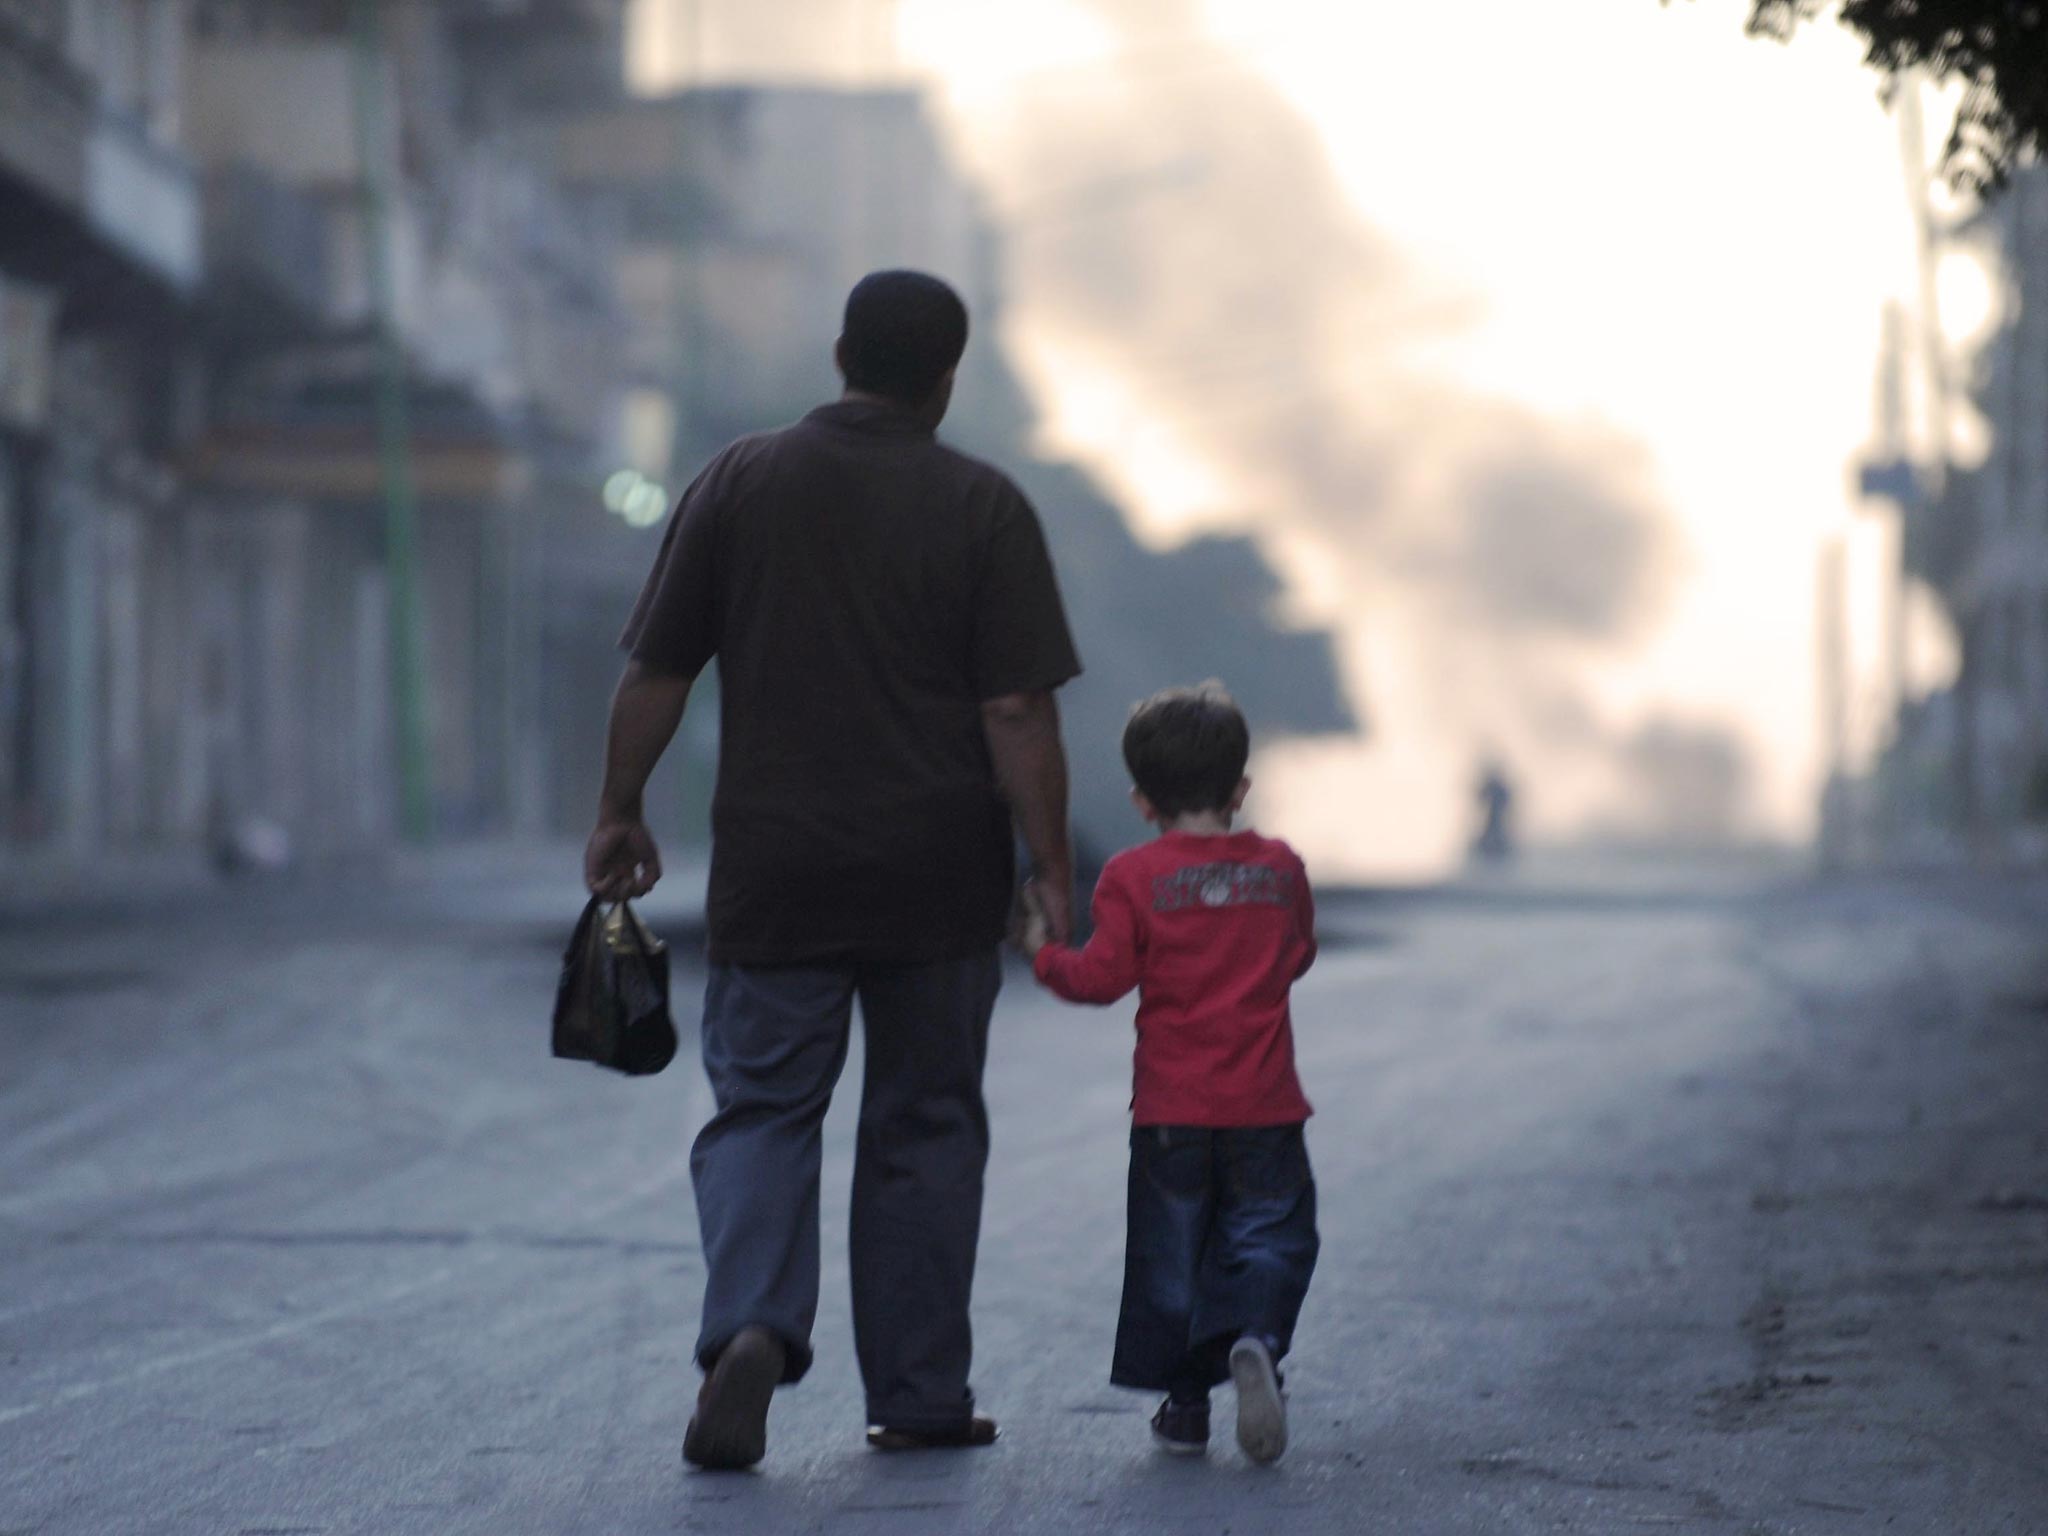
column 1616, row 241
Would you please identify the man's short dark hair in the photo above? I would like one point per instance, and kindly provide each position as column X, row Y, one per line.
column 904, row 331
column 1186, row 749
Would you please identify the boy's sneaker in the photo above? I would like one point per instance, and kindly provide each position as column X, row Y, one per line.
column 1182, row 1429
column 1261, row 1410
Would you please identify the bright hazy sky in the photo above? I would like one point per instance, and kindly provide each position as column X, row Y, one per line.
column 1654, row 228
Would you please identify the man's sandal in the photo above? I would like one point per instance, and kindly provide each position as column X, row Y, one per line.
column 978, row 1429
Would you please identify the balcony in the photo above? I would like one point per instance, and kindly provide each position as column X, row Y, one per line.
column 143, row 199
column 267, row 245
column 88, row 199
column 46, row 115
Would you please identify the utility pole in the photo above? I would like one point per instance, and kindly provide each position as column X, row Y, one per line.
column 684, row 294
column 394, row 437
column 1928, row 481
column 689, row 437
column 1963, row 753
column 1894, row 476
column 1832, row 698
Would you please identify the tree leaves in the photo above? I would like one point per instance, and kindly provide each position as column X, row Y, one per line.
column 1997, row 48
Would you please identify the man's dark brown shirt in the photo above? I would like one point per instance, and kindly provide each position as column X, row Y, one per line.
column 864, row 589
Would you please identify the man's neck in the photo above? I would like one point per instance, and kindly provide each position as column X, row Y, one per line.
column 921, row 414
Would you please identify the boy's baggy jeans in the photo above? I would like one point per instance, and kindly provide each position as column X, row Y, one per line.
column 775, row 1039
column 1221, row 1244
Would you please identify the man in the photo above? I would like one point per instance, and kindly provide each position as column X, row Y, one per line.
column 889, row 636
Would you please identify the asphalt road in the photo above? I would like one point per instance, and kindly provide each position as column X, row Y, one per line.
column 1698, row 1201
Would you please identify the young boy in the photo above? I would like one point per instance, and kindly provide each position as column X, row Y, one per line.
column 1212, row 927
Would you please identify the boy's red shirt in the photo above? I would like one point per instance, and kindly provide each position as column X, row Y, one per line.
column 1212, row 931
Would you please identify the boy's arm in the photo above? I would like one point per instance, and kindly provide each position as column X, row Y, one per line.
column 1305, row 913
column 1108, row 967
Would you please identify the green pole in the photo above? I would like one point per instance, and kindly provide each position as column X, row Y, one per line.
column 695, row 778
column 394, row 441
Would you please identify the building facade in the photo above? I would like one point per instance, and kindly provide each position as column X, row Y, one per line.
column 196, row 627
column 100, row 266
column 1974, row 757
column 351, row 355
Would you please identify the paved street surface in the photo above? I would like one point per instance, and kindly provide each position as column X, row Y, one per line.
column 1703, row 1201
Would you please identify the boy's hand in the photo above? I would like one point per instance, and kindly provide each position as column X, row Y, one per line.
column 1033, row 932
column 1020, row 917
column 1052, row 895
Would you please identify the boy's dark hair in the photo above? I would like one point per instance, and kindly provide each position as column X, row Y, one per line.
column 903, row 332
column 1186, row 748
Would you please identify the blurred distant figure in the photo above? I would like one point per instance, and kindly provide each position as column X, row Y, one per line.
column 248, row 845
column 1496, row 797
column 888, row 635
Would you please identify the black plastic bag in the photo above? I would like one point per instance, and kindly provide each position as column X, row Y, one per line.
column 612, row 1004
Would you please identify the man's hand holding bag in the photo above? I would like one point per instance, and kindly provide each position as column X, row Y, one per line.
column 611, row 1006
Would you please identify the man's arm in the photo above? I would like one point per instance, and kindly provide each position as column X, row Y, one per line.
column 1023, row 732
column 621, row 859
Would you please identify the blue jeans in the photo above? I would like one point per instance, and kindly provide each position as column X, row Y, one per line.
column 1221, row 1244
column 775, row 1039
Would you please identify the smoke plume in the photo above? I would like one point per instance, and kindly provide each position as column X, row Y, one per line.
column 1178, row 221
